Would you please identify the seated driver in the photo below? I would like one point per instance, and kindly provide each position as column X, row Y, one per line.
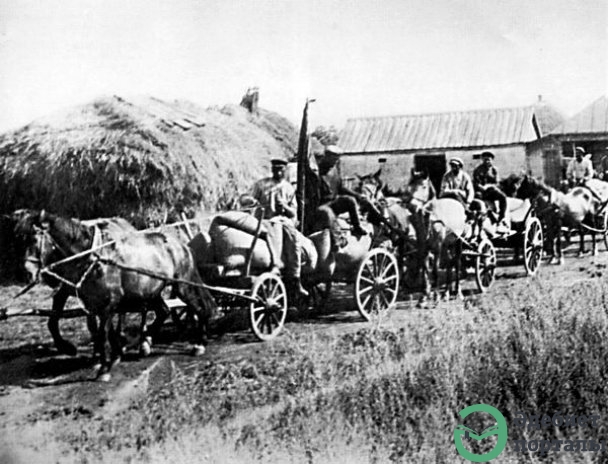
column 277, row 196
column 580, row 171
column 457, row 184
column 333, row 193
column 485, row 184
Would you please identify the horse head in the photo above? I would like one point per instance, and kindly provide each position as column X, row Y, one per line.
column 371, row 186
column 529, row 188
column 32, row 230
column 48, row 238
column 419, row 190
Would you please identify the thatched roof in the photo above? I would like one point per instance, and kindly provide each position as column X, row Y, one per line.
column 138, row 158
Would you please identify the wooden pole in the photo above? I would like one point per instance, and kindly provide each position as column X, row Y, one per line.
column 302, row 157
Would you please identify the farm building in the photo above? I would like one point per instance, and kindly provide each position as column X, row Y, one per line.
column 587, row 129
column 428, row 141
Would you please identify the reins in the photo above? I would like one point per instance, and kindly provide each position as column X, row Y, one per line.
column 97, row 237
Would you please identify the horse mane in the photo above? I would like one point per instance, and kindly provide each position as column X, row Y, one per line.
column 73, row 231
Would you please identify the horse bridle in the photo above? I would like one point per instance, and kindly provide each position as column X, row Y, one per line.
column 41, row 235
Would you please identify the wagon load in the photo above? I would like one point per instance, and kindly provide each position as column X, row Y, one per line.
column 228, row 245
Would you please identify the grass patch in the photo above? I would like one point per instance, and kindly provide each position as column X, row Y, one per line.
column 380, row 394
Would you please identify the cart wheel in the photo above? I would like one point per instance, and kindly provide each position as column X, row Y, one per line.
column 533, row 245
column 267, row 315
column 485, row 264
column 377, row 282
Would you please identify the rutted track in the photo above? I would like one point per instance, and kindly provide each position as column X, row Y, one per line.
column 37, row 385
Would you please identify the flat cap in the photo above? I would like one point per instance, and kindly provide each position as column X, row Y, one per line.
column 278, row 162
column 457, row 161
column 580, row 150
column 487, row 154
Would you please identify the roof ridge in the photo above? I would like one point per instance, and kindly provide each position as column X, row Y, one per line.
column 438, row 113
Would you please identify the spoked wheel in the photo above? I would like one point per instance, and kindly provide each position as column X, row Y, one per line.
column 533, row 245
column 267, row 314
column 485, row 265
column 377, row 282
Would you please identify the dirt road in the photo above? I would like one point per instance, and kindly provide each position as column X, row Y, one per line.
column 37, row 385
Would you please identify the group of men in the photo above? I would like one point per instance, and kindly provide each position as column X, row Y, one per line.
column 277, row 196
column 457, row 184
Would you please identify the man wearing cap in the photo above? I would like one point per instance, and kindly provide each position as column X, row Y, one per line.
column 485, row 184
column 275, row 194
column 333, row 193
column 457, row 184
column 278, row 198
column 580, row 169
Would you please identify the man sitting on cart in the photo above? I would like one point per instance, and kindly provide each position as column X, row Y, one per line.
column 485, row 184
column 458, row 185
column 580, row 171
column 277, row 196
column 341, row 199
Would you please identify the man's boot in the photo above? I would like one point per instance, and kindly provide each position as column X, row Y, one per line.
column 358, row 231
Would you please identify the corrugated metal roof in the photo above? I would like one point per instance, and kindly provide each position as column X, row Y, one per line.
column 592, row 120
column 477, row 128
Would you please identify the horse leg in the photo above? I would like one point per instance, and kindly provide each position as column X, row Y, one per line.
column 558, row 243
column 59, row 300
column 458, row 270
column 436, row 262
column 581, row 234
column 593, row 244
column 201, row 301
column 105, row 333
column 426, row 281
column 161, row 312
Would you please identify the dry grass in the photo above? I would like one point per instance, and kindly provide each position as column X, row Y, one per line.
column 139, row 158
column 378, row 395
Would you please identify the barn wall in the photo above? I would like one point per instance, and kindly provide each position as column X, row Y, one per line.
column 535, row 164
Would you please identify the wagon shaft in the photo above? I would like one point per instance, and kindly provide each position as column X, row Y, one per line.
column 7, row 313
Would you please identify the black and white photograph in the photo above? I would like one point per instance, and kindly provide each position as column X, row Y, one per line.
column 303, row 231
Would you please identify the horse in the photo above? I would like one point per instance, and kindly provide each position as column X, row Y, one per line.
column 32, row 239
column 395, row 226
column 575, row 210
column 133, row 270
column 440, row 224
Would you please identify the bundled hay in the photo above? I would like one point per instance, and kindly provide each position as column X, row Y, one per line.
column 139, row 159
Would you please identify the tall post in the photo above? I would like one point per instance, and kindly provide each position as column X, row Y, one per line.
column 302, row 157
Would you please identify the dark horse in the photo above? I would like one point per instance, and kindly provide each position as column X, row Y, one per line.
column 575, row 210
column 32, row 239
column 119, row 275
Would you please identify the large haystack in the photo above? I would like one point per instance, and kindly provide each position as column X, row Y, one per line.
column 139, row 158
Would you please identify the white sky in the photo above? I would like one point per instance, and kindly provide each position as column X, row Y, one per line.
column 357, row 58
